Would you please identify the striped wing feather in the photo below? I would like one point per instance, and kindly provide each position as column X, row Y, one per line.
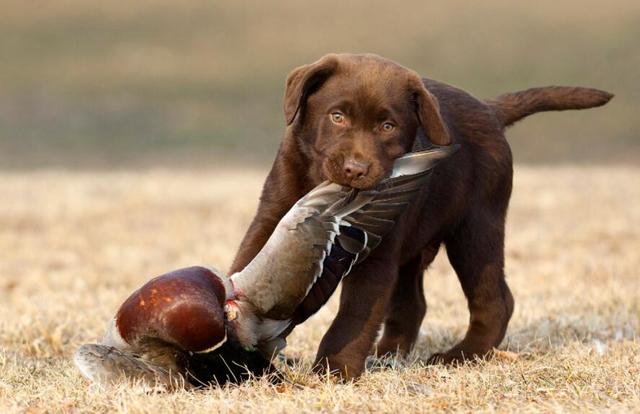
column 364, row 229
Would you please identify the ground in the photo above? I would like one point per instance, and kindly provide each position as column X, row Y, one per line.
column 73, row 245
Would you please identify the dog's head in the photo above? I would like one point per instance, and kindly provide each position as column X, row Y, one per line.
column 353, row 115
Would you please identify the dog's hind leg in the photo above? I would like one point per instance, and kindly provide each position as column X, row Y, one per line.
column 476, row 252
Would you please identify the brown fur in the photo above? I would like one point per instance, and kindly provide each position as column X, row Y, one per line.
column 463, row 206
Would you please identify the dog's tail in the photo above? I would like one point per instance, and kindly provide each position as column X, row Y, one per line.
column 512, row 107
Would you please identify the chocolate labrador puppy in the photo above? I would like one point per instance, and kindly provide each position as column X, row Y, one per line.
column 348, row 117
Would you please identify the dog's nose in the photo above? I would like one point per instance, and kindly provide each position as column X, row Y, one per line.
column 355, row 169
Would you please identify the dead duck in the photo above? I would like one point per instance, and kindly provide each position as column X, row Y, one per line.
column 195, row 325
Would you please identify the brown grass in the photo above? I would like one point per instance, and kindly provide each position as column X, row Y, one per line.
column 73, row 245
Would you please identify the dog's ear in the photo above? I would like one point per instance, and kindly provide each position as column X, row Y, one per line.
column 303, row 81
column 428, row 112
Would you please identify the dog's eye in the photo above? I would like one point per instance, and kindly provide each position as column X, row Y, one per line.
column 388, row 127
column 337, row 118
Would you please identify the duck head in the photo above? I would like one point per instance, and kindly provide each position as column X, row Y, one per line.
column 183, row 308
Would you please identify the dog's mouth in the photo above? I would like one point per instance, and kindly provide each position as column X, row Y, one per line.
column 332, row 171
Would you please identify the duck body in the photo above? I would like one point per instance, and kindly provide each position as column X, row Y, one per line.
column 198, row 324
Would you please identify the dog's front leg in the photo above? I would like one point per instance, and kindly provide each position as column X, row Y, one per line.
column 281, row 190
column 363, row 302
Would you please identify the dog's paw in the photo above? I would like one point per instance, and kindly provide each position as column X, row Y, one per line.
column 453, row 357
column 337, row 370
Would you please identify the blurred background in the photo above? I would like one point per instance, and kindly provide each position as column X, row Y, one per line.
column 88, row 84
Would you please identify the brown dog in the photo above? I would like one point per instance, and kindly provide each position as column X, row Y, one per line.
column 348, row 117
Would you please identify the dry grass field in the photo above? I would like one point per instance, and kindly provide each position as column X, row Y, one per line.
column 73, row 245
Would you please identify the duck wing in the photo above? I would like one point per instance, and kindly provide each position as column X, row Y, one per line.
column 363, row 229
column 324, row 234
